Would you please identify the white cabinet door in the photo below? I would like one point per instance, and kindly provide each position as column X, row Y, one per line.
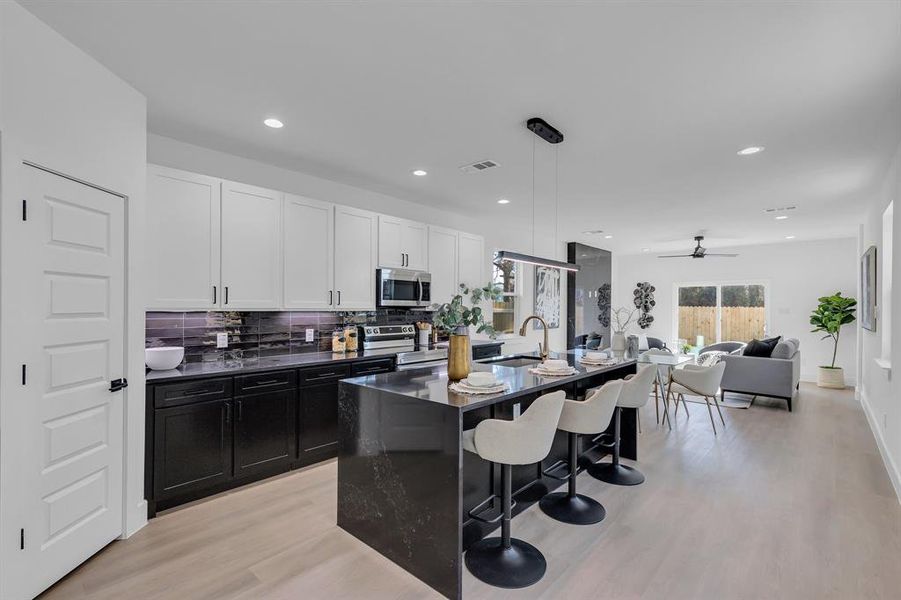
column 182, row 240
column 391, row 252
column 355, row 258
column 251, row 248
column 443, row 263
column 415, row 244
column 308, row 232
column 472, row 257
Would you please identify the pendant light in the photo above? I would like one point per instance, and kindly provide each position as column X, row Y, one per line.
column 551, row 135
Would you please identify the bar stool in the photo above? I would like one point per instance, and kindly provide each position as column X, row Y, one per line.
column 590, row 416
column 506, row 561
column 636, row 390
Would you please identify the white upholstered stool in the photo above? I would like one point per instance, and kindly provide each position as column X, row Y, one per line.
column 506, row 561
column 590, row 416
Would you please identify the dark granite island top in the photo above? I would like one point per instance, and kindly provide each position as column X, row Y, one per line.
column 405, row 484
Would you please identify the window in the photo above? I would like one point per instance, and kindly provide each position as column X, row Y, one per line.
column 505, row 276
column 710, row 313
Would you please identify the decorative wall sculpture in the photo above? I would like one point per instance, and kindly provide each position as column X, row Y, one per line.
column 644, row 302
column 604, row 305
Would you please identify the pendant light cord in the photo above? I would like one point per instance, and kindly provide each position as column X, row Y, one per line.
column 533, row 195
column 556, row 199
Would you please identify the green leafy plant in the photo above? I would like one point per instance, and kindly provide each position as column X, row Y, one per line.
column 454, row 314
column 833, row 312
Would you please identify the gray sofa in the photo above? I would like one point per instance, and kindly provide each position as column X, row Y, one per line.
column 777, row 376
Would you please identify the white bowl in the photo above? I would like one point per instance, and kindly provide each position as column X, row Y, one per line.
column 164, row 358
column 555, row 364
column 595, row 355
column 481, row 379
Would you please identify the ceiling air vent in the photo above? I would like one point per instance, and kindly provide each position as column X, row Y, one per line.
column 482, row 165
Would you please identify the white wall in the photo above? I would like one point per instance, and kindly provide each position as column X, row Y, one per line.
column 63, row 110
column 797, row 273
column 497, row 232
column 880, row 389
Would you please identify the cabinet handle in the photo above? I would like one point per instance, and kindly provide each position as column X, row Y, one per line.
column 228, row 413
column 339, row 297
column 226, row 294
column 403, row 262
column 268, row 382
column 214, row 294
column 240, row 410
column 194, row 392
column 330, row 299
column 322, row 376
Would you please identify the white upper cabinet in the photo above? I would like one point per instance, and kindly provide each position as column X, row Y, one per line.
column 403, row 243
column 309, row 244
column 182, row 239
column 356, row 247
column 443, row 263
column 471, row 260
column 251, row 247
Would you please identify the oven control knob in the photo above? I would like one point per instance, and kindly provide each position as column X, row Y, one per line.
column 375, row 330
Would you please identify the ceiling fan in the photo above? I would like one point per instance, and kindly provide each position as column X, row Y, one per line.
column 698, row 252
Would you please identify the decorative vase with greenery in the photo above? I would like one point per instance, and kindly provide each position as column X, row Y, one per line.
column 455, row 318
column 830, row 315
column 622, row 318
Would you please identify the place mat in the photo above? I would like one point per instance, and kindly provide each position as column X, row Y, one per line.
column 539, row 371
column 462, row 388
column 606, row 362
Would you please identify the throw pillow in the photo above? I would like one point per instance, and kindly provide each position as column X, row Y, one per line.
column 708, row 359
column 762, row 348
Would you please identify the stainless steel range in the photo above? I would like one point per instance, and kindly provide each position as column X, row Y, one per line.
column 402, row 338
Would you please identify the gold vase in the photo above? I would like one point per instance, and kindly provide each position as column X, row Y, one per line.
column 459, row 355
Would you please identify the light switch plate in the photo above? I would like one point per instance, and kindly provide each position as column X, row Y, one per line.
column 309, row 335
column 222, row 340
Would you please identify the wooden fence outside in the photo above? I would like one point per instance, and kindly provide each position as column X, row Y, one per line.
column 740, row 323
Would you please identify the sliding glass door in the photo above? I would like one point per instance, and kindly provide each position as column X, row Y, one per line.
column 720, row 312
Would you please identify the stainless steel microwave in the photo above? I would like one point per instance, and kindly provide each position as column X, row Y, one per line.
column 403, row 287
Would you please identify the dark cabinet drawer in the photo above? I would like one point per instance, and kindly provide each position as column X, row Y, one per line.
column 265, row 382
column 486, row 351
column 316, row 375
column 177, row 394
column 371, row 367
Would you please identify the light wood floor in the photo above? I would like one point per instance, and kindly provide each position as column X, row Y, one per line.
column 779, row 505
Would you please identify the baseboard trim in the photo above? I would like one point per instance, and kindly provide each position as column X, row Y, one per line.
column 894, row 474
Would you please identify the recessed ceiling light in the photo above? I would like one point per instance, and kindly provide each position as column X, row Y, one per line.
column 503, row 201
column 274, row 123
column 607, row 237
column 420, row 173
column 750, row 150
column 789, row 237
column 781, row 217
column 593, row 231
column 645, row 249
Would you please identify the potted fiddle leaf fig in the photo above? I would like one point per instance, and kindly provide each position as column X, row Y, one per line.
column 455, row 318
column 830, row 315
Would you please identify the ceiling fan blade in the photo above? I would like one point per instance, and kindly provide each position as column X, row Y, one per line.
column 726, row 255
column 676, row 256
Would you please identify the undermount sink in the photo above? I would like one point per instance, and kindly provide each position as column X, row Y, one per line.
column 514, row 361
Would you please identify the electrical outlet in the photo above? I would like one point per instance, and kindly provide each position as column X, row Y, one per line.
column 309, row 335
column 222, row 340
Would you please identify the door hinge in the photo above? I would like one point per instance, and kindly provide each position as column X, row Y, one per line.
column 24, row 210
column 23, row 374
column 22, row 539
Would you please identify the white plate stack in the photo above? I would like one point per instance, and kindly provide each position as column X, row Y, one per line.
column 597, row 359
column 553, row 368
column 479, row 382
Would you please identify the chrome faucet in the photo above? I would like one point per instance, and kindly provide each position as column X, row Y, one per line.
column 542, row 349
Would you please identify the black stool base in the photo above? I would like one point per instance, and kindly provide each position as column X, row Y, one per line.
column 616, row 474
column 519, row 566
column 575, row 510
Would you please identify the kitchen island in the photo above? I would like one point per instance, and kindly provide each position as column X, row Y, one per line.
column 405, row 484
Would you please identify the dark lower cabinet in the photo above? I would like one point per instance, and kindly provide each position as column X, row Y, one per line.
column 318, row 422
column 265, row 433
column 192, row 448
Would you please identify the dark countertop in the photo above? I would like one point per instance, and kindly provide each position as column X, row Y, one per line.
column 431, row 383
column 312, row 359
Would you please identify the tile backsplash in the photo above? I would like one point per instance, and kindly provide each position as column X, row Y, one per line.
column 253, row 335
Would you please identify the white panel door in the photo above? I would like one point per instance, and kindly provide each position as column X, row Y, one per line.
column 182, row 246
column 251, row 247
column 65, row 424
column 415, row 243
column 472, row 258
column 391, row 250
column 355, row 258
column 308, row 232
column 443, row 263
